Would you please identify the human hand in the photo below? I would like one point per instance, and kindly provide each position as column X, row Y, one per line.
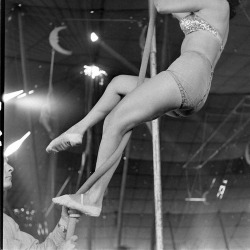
column 65, row 215
column 69, row 244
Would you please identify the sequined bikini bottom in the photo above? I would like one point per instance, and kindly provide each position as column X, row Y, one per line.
column 193, row 73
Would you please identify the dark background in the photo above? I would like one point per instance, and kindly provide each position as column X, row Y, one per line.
column 214, row 224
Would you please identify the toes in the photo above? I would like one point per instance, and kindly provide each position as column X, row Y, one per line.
column 62, row 200
column 49, row 149
column 64, row 142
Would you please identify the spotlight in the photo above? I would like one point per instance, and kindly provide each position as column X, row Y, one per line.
column 9, row 96
column 15, row 145
column 93, row 37
column 93, row 71
column 22, row 95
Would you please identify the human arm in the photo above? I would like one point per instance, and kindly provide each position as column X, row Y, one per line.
column 58, row 235
column 69, row 244
column 182, row 6
column 14, row 238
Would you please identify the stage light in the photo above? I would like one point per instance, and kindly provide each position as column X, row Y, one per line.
column 93, row 71
column 195, row 199
column 22, row 95
column 222, row 189
column 93, row 37
column 15, row 145
column 9, row 96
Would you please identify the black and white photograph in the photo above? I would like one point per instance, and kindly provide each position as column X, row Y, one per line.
column 125, row 124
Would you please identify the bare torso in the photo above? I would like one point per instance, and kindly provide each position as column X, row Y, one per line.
column 203, row 41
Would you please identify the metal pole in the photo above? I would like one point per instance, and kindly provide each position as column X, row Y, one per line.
column 156, row 150
column 118, row 152
column 224, row 144
column 58, row 194
column 223, row 231
column 237, row 225
column 52, row 133
column 171, row 232
column 213, row 134
column 165, row 51
column 120, row 58
column 30, row 123
column 87, row 154
column 152, row 238
column 122, row 194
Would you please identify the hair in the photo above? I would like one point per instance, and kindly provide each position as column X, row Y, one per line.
column 233, row 5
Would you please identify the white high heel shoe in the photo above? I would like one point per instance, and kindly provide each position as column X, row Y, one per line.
column 67, row 201
column 63, row 142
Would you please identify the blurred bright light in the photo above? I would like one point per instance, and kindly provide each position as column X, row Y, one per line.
column 31, row 92
column 15, row 145
column 93, row 71
column 32, row 102
column 9, row 96
column 222, row 189
column 22, row 95
column 195, row 199
column 93, row 37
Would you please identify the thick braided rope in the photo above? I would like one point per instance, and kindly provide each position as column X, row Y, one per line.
column 118, row 152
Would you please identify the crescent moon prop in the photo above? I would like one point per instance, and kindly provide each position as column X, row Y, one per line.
column 247, row 154
column 54, row 39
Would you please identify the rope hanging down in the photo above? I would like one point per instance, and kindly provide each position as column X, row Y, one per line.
column 115, row 156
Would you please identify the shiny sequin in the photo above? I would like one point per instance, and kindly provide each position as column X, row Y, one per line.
column 192, row 23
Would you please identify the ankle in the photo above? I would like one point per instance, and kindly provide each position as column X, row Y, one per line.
column 95, row 198
column 76, row 129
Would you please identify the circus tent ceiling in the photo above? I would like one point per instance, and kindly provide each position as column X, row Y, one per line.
column 215, row 138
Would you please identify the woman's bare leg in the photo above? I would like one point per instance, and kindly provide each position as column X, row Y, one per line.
column 146, row 102
column 117, row 88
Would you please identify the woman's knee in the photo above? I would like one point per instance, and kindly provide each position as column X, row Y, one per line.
column 117, row 81
column 115, row 124
column 123, row 84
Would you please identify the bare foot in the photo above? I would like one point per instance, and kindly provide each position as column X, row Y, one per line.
column 80, row 202
column 71, row 138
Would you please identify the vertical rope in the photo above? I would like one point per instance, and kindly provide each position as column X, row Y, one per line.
column 156, row 149
column 113, row 158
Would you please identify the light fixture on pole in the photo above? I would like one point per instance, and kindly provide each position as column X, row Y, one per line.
column 15, row 145
column 93, row 37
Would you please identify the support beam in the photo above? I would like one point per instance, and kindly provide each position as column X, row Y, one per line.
column 165, row 50
column 171, row 231
column 90, row 91
column 214, row 133
column 237, row 225
column 87, row 154
column 224, row 144
column 156, row 149
column 33, row 158
column 223, row 231
column 119, row 57
column 152, row 236
column 122, row 195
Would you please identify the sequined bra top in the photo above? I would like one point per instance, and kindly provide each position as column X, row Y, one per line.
column 193, row 22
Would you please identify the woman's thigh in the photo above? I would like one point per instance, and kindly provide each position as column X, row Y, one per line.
column 151, row 99
column 124, row 84
column 193, row 73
